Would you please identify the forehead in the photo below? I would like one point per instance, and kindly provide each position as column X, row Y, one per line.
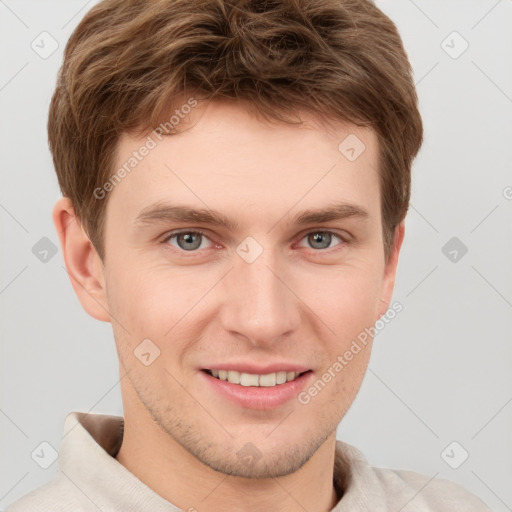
column 226, row 158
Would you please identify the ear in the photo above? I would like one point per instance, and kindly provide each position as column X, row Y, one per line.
column 84, row 266
column 390, row 270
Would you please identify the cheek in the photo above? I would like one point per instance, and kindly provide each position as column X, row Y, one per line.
column 345, row 299
column 154, row 301
column 147, row 307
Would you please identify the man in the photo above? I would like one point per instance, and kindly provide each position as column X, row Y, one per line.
column 235, row 180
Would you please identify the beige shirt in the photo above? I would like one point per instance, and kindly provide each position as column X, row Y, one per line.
column 89, row 478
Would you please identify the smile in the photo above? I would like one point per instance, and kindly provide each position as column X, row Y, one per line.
column 251, row 379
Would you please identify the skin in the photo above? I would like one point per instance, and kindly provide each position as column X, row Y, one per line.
column 296, row 302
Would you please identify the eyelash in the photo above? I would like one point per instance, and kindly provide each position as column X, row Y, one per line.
column 174, row 234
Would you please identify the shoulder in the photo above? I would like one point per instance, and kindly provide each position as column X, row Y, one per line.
column 420, row 492
column 58, row 495
column 366, row 487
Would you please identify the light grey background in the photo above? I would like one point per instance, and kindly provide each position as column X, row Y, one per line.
column 440, row 371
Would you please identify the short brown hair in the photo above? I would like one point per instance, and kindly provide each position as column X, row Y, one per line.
column 128, row 61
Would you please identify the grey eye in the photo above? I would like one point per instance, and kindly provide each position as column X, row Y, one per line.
column 320, row 239
column 189, row 240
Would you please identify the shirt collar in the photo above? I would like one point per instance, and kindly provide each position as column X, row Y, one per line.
column 91, row 442
column 86, row 457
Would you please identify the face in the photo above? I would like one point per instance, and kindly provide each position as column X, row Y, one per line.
column 259, row 282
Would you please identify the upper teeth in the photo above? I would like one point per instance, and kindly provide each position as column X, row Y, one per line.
column 251, row 379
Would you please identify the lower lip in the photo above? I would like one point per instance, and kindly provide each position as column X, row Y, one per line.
column 255, row 397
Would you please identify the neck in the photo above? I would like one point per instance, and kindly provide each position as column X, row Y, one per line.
column 161, row 463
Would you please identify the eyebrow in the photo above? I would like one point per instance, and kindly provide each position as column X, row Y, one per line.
column 164, row 212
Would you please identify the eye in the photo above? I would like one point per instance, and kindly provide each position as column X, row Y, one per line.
column 321, row 239
column 193, row 240
column 187, row 240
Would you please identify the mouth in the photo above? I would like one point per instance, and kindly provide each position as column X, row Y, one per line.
column 268, row 380
column 258, row 391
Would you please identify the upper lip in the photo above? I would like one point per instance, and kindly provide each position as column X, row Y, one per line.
column 258, row 370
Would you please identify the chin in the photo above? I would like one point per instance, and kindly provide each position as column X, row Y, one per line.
column 261, row 455
column 249, row 461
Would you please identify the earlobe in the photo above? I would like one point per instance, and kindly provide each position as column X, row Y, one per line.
column 390, row 270
column 84, row 266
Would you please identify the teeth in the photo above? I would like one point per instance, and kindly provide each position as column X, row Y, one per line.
column 280, row 377
column 247, row 379
column 234, row 376
column 268, row 380
column 250, row 379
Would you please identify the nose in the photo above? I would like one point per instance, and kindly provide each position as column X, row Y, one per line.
column 259, row 302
